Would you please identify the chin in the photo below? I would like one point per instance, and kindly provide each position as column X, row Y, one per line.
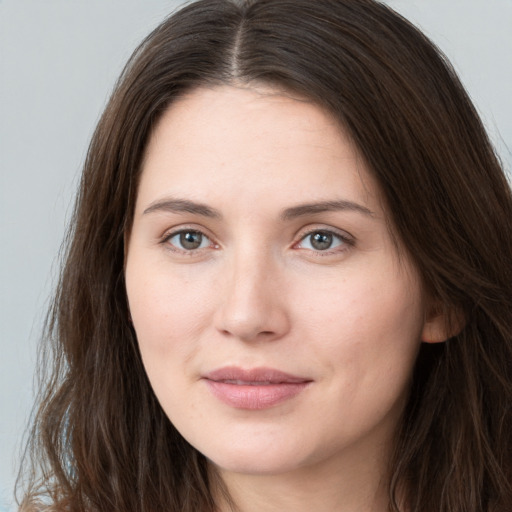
column 258, row 458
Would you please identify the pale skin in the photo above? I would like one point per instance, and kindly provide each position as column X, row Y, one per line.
column 260, row 240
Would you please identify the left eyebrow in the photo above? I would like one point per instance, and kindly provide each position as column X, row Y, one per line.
column 323, row 206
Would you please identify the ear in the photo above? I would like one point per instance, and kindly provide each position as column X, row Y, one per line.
column 442, row 323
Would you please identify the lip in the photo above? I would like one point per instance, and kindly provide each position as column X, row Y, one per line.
column 255, row 388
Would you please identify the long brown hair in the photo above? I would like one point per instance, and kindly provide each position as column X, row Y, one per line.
column 101, row 441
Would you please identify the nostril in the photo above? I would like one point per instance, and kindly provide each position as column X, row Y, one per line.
column 265, row 334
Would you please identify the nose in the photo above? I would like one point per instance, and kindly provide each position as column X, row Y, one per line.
column 253, row 300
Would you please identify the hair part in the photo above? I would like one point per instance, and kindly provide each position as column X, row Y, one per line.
column 100, row 439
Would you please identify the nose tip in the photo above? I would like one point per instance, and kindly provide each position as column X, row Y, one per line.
column 252, row 307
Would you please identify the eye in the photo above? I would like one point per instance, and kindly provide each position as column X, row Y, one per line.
column 188, row 240
column 323, row 240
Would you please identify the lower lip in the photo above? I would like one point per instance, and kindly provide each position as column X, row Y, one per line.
column 253, row 396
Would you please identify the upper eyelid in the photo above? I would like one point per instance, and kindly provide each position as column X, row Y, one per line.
column 304, row 232
column 344, row 239
column 170, row 232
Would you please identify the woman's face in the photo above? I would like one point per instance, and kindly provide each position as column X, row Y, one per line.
column 277, row 323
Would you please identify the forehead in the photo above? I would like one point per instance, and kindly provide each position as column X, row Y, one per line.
column 230, row 143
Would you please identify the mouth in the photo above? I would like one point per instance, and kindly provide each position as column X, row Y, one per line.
column 254, row 389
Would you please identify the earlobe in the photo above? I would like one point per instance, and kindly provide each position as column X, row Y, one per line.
column 443, row 325
column 434, row 331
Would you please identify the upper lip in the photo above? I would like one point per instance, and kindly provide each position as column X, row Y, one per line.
column 236, row 375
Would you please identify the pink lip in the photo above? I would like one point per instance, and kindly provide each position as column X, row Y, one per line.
column 257, row 388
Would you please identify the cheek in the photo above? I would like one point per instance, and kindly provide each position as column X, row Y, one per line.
column 370, row 326
column 367, row 341
column 169, row 311
column 168, row 317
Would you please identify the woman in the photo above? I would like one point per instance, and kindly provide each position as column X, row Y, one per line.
column 288, row 285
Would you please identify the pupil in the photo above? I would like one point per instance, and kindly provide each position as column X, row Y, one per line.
column 321, row 241
column 190, row 239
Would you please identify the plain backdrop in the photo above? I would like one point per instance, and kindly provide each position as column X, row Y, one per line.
column 58, row 62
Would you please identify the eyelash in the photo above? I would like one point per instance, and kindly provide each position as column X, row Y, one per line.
column 346, row 241
column 189, row 252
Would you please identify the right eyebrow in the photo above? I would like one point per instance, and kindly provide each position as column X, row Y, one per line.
column 174, row 205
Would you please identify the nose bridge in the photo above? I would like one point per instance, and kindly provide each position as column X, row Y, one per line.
column 252, row 305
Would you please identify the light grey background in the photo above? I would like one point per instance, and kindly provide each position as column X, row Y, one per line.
column 58, row 62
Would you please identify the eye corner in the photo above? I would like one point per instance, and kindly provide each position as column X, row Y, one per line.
column 188, row 241
column 327, row 241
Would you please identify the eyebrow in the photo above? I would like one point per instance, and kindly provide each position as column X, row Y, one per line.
column 183, row 206
column 324, row 206
column 301, row 210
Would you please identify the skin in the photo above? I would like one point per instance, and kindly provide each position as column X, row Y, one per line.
column 258, row 292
